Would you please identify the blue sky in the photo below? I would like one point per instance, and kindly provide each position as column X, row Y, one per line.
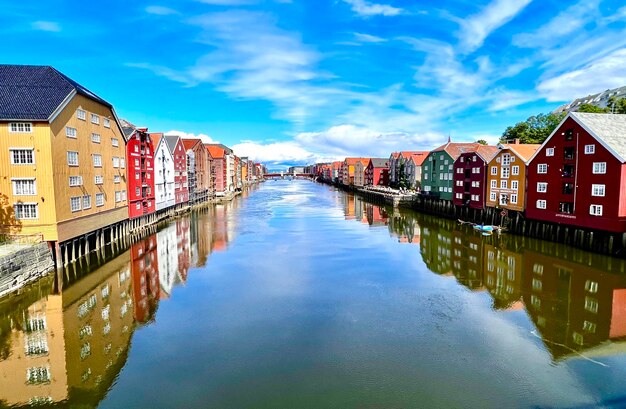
column 297, row 81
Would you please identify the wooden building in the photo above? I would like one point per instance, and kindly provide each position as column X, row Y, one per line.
column 62, row 156
column 203, row 187
column 470, row 177
column 377, row 172
column 359, row 172
column 506, row 176
column 140, row 166
column 179, row 154
column 347, row 170
column 578, row 176
column 218, row 170
column 164, row 173
column 437, row 170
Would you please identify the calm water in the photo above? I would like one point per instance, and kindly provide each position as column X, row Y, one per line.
column 301, row 296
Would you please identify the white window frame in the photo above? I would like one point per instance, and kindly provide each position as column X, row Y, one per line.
column 97, row 163
column 81, row 114
column 549, row 151
column 505, row 173
column 599, row 168
column 98, row 180
column 542, row 187
column 590, row 149
column 492, row 196
column 595, row 210
column 22, row 205
column 71, row 132
column 115, row 142
column 598, row 190
column 70, row 155
column 20, row 127
column 118, row 196
column 116, row 162
column 99, row 199
column 95, row 137
column 542, row 204
column 106, row 122
column 117, row 178
column 504, row 184
column 19, row 151
column 494, row 184
column 515, row 170
column 494, row 170
column 514, row 198
column 18, row 186
column 95, row 119
column 77, row 181
column 86, row 204
column 542, row 168
column 78, row 200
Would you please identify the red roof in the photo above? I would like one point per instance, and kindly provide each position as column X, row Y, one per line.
column 455, row 149
column 215, row 151
column 190, row 143
column 418, row 157
column 353, row 161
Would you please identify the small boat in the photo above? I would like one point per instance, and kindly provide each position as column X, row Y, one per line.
column 485, row 229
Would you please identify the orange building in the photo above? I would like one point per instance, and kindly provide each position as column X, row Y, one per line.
column 506, row 176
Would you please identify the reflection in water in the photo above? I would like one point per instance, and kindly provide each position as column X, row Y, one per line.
column 299, row 320
column 69, row 345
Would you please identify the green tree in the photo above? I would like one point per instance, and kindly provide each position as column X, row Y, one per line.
column 592, row 109
column 617, row 106
column 535, row 129
column 482, row 142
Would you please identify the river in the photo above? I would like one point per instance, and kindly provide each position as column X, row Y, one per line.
column 297, row 295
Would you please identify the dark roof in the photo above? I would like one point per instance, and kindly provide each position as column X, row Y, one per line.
column 171, row 141
column 33, row 92
column 380, row 162
column 128, row 128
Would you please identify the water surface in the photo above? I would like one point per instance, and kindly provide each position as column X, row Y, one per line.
column 301, row 296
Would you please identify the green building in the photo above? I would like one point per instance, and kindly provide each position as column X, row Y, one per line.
column 437, row 169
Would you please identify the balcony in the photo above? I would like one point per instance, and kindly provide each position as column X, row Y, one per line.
column 568, row 188
column 568, row 171
column 569, row 153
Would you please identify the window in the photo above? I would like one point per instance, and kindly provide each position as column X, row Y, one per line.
column 22, row 156
column 124, row 194
column 20, row 127
column 107, row 123
column 76, row 180
column 505, row 173
column 440, row 167
column 25, row 211
column 81, row 114
column 550, row 152
column 459, row 170
column 116, row 178
column 98, row 179
column 597, row 190
column 95, row 137
column 70, row 132
column 72, row 158
column 494, row 170
column 591, row 286
column 138, row 206
column 503, row 184
column 569, row 153
column 541, row 204
column 568, row 188
column 116, row 162
column 506, row 159
column 95, row 119
column 24, row 187
column 136, row 163
column 514, row 184
column 504, row 199
column 591, row 304
column 514, row 198
column 115, row 142
column 566, row 207
column 599, row 168
column 118, row 197
column 137, row 192
column 515, row 170
column 87, row 202
column 492, row 197
column 38, row 375
column 568, row 171
column 569, row 135
column 542, row 168
column 595, row 210
column 97, row 161
column 75, row 203
column 494, row 183
column 99, row 199
column 590, row 149
column 122, row 163
column 459, row 183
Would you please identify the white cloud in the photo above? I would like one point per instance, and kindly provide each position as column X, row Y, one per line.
column 367, row 38
column 160, row 10
column 276, row 153
column 186, row 135
column 605, row 73
column 475, row 29
column 569, row 21
column 366, row 9
column 46, row 26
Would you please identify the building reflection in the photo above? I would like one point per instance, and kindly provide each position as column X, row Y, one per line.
column 66, row 343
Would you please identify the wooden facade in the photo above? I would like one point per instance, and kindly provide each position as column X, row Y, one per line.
column 140, row 165
column 470, row 177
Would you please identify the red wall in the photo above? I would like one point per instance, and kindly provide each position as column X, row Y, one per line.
column 376, row 176
column 467, row 190
column 613, row 180
column 181, row 190
column 140, row 147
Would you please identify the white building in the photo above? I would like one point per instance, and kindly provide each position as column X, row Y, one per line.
column 164, row 194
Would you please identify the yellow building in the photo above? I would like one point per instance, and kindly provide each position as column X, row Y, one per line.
column 506, row 176
column 62, row 156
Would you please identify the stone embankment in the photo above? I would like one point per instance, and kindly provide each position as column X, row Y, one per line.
column 24, row 266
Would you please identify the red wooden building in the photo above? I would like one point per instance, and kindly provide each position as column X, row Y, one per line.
column 218, row 169
column 578, row 176
column 179, row 153
column 470, row 177
column 144, row 269
column 140, row 170
column 377, row 172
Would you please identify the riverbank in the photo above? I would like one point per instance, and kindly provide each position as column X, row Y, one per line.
column 598, row 241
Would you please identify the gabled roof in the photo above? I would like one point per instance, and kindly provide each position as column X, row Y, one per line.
column 33, row 92
column 524, row 151
column 353, row 161
column 157, row 138
column 227, row 150
column 191, row 143
column 171, row 140
column 216, row 151
column 394, row 155
column 380, row 162
column 455, row 149
column 418, row 157
column 608, row 129
column 487, row 152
